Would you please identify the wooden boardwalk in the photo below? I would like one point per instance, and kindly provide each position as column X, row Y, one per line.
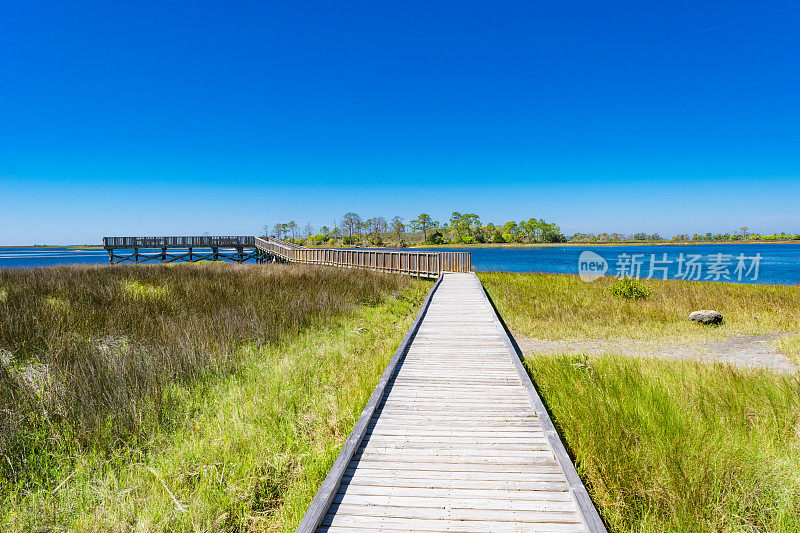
column 451, row 440
column 408, row 262
column 263, row 249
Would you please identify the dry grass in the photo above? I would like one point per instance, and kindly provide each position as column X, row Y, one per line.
column 553, row 306
column 91, row 356
column 789, row 345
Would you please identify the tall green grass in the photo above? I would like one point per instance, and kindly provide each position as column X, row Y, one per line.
column 189, row 397
column 679, row 446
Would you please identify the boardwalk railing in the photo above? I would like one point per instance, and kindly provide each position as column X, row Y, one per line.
column 203, row 241
column 421, row 264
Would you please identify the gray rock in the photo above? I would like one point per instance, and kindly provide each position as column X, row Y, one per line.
column 706, row 316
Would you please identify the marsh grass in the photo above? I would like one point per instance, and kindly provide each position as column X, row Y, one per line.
column 554, row 306
column 136, row 289
column 679, row 446
column 789, row 345
column 96, row 358
column 246, row 450
column 630, row 289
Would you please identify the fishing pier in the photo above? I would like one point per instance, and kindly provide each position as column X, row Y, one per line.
column 171, row 249
column 261, row 250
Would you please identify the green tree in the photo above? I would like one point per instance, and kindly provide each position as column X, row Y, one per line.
column 399, row 227
column 455, row 223
column 510, row 227
column 436, row 237
column 377, row 227
column 464, row 225
column 351, row 225
column 532, row 229
column 292, row 227
column 552, row 233
column 279, row 230
column 422, row 223
column 471, row 222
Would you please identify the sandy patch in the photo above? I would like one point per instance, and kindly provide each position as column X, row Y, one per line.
column 749, row 351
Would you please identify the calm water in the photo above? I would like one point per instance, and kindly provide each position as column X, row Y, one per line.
column 776, row 263
column 37, row 257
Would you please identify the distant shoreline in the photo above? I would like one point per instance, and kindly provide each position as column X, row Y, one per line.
column 589, row 243
column 467, row 246
column 45, row 246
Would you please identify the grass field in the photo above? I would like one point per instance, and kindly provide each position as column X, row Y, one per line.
column 667, row 445
column 183, row 398
column 553, row 306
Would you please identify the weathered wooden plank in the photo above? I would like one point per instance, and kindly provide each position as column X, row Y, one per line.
column 453, row 403
column 411, row 389
column 410, row 469
column 471, row 410
column 456, row 437
column 549, row 478
column 447, row 423
column 455, row 513
column 411, row 445
column 408, row 388
column 445, row 417
column 411, row 524
column 459, row 492
column 444, row 464
column 479, row 431
column 450, row 502
column 502, row 456
column 464, row 378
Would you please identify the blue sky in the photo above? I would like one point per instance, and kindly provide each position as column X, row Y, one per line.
column 175, row 118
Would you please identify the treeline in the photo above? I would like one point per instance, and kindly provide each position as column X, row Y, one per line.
column 743, row 235
column 467, row 228
column 461, row 228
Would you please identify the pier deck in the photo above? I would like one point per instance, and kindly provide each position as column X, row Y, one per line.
column 455, row 437
column 180, row 248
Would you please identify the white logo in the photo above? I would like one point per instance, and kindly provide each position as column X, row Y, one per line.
column 591, row 266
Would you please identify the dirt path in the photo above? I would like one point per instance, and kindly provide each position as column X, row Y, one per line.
column 749, row 351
